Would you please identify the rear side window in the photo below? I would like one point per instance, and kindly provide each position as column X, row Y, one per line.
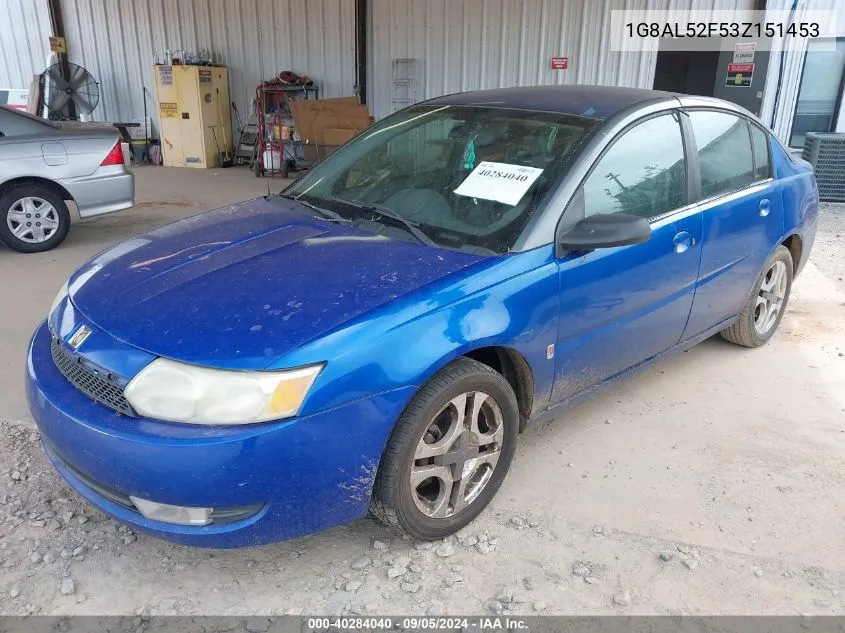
column 724, row 152
column 641, row 174
column 760, row 142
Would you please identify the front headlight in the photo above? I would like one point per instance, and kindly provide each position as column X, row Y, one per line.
column 177, row 392
column 62, row 294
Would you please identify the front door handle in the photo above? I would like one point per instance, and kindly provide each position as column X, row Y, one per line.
column 683, row 241
column 765, row 207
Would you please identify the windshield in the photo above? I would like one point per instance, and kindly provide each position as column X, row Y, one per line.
column 463, row 176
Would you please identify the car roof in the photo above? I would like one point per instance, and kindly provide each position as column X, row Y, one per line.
column 600, row 102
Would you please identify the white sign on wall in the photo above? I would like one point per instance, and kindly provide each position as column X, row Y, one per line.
column 744, row 52
column 14, row 98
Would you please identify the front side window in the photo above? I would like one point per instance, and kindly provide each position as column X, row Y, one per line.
column 724, row 152
column 641, row 174
column 467, row 177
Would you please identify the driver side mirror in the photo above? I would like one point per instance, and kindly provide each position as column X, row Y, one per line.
column 605, row 230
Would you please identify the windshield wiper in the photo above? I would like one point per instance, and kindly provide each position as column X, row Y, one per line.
column 328, row 214
column 387, row 212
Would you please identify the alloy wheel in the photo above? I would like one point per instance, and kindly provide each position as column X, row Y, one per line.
column 32, row 220
column 770, row 298
column 456, row 456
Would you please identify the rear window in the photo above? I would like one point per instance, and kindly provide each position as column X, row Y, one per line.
column 11, row 120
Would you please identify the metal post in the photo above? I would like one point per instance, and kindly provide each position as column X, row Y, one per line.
column 361, row 16
column 57, row 26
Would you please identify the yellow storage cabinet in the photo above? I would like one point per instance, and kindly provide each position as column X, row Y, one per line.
column 193, row 109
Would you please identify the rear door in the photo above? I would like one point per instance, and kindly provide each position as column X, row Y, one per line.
column 21, row 138
column 741, row 209
column 621, row 306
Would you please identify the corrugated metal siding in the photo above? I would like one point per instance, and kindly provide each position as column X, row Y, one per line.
column 117, row 41
column 792, row 61
column 462, row 45
column 24, row 41
column 478, row 44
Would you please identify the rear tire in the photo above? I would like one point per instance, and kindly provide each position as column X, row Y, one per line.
column 766, row 304
column 449, row 453
column 33, row 219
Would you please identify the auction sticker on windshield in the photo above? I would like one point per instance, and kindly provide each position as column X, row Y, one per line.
column 499, row 181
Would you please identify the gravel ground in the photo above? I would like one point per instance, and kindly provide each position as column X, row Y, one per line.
column 709, row 484
column 829, row 250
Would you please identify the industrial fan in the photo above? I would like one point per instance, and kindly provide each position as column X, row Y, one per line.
column 69, row 91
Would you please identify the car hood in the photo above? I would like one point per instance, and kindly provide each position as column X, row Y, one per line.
column 241, row 286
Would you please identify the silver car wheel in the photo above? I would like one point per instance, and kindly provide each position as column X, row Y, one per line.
column 457, row 454
column 770, row 298
column 32, row 220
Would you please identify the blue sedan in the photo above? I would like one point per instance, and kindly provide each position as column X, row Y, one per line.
column 375, row 337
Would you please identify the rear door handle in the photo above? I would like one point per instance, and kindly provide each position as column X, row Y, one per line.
column 682, row 242
column 765, row 207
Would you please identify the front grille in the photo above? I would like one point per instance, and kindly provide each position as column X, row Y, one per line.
column 88, row 382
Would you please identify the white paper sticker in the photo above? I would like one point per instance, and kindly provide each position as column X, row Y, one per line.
column 744, row 52
column 499, row 181
column 743, row 57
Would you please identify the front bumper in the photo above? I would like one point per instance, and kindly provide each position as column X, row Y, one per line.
column 108, row 189
column 307, row 474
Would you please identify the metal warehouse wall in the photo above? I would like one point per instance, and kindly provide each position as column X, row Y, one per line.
column 791, row 60
column 24, row 45
column 116, row 40
column 476, row 44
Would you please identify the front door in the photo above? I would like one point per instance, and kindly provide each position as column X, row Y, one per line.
column 621, row 306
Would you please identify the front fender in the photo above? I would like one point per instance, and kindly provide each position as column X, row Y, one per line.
column 512, row 302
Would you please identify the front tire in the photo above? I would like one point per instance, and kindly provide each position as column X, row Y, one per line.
column 449, row 453
column 766, row 304
column 33, row 219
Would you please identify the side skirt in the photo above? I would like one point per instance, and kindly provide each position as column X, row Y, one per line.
column 555, row 410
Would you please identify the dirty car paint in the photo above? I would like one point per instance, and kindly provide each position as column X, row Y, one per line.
column 267, row 285
column 242, row 286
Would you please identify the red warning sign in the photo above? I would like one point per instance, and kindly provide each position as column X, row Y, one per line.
column 560, row 63
column 739, row 75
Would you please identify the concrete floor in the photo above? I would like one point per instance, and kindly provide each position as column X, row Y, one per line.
column 162, row 196
column 731, row 460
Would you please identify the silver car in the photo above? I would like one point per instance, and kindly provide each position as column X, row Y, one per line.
column 43, row 164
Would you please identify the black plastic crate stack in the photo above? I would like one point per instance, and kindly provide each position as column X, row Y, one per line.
column 825, row 151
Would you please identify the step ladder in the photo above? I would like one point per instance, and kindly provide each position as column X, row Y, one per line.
column 245, row 152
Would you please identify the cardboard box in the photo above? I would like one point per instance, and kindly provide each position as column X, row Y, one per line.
column 337, row 136
column 342, row 100
column 342, row 118
column 317, row 151
column 326, row 124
